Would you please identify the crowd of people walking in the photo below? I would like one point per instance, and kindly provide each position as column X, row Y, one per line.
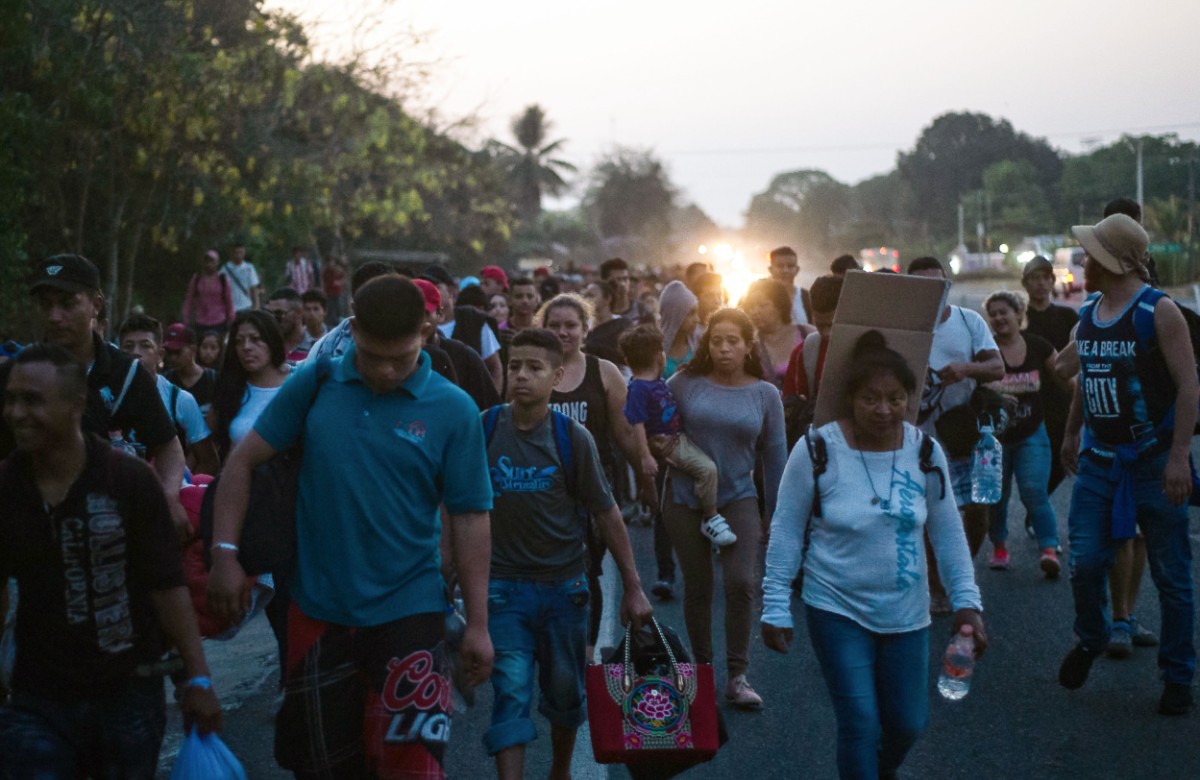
column 480, row 445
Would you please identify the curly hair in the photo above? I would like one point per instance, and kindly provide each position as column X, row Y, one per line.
column 702, row 363
column 1015, row 300
column 581, row 305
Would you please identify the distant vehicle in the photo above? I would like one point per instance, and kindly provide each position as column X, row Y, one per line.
column 874, row 258
column 1068, row 268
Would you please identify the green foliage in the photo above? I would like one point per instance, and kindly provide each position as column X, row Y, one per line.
column 805, row 209
column 630, row 195
column 158, row 130
column 531, row 167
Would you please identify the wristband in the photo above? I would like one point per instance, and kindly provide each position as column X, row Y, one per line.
column 225, row 546
column 200, row 681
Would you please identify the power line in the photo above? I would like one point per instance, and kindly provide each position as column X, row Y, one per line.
column 875, row 147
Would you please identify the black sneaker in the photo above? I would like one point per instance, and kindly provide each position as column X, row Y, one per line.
column 1075, row 667
column 1176, row 699
column 663, row 590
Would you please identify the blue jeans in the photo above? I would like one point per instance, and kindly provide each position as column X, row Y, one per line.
column 1029, row 460
column 879, row 686
column 107, row 739
column 542, row 622
column 1165, row 527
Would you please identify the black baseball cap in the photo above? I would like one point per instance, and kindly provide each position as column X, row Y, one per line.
column 1036, row 264
column 69, row 273
column 439, row 275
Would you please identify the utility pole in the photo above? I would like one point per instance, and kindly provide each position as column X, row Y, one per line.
column 1140, row 191
column 960, row 223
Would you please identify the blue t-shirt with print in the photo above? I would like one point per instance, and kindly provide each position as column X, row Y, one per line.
column 376, row 468
column 651, row 403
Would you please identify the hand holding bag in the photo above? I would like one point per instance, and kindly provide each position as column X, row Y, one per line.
column 652, row 707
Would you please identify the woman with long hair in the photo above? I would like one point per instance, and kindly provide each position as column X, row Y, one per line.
column 208, row 350
column 856, row 530
column 769, row 305
column 1028, row 365
column 592, row 392
column 735, row 417
column 254, row 369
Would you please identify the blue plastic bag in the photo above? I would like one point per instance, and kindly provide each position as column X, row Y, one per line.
column 206, row 758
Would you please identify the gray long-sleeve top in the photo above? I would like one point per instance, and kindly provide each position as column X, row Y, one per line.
column 734, row 426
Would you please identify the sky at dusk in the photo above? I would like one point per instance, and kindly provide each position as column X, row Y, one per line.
column 730, row 94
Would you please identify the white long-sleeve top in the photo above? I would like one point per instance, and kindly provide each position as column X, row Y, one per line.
column 863, row 562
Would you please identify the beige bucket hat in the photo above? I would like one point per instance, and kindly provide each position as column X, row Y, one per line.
column 1116, row 242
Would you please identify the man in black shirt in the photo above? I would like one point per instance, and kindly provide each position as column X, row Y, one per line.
column 179, row 355
column 467, row 370
column 87, row 534
column 122, row 401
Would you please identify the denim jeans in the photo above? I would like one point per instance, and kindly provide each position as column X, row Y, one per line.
column 544, row 623
column 1168, row 549
column 1029, row 461
column 879, row 685
column 113, row 738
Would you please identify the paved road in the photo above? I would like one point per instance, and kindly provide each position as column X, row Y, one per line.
column 1017, row 722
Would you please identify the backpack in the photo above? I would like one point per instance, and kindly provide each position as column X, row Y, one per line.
column 818, row 452
column 1147, row 335
column 268, row 540
column 562, row 443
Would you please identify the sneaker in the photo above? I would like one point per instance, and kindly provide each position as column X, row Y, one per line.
column 1142, row 636
column 663, row 590
column 716, row 530
column 1176, row 699
column 1075, row 667
column 999, row 559
column 739, row 693
column 1050, row 565
column 1120, row 643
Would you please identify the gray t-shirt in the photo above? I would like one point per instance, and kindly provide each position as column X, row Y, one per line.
column 537, row 530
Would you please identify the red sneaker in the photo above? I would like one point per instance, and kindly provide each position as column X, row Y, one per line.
column 1050, row 565
column 999, row 559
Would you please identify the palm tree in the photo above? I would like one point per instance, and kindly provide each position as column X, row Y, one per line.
column 532, row 170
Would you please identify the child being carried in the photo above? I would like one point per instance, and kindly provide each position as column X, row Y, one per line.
column 651, row 411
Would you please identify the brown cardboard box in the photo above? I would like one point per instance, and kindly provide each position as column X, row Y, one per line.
column 904, row 309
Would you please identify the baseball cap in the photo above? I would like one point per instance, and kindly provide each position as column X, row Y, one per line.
column 468, row 281
column 69, row 273
column 439, row 275
column 496, row 274
column 433, row 298
column 1116, row 242
column 1037, row 263
column 179, row 336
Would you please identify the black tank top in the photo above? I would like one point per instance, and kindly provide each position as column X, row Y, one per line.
column 587, row 405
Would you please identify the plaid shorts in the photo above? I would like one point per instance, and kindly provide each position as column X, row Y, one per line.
column 365, row 702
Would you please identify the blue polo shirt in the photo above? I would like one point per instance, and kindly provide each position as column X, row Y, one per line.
column 375, row 469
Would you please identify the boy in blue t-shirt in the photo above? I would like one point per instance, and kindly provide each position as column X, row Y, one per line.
column 650, row 408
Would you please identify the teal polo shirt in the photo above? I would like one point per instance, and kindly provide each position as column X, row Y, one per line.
column 375, row 469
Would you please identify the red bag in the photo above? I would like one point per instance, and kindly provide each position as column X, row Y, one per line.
column 668, row 715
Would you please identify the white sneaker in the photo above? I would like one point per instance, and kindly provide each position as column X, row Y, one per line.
column 716, row 530
column 739, row 693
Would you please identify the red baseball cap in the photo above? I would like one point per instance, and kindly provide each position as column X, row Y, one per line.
column 433, row 298
column 496, row 274
column 178, row 336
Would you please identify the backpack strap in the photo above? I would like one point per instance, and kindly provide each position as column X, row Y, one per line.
column 490, row 417
column 1143, row 317
column 926, row 458
column 173, row 404
column 566, row 451
column 818, row 452
column 129, row 375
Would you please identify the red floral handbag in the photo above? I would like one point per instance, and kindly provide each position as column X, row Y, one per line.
column 669, row 717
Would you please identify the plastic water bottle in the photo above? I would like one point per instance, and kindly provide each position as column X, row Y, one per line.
column 121, row 444
column 987, row 469
column 958, row 665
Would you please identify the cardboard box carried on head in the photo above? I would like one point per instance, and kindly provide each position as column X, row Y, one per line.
column 905, row 309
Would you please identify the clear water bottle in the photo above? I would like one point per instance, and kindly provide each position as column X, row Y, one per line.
column 121, row 444
column 958, row 665
column 987, row 469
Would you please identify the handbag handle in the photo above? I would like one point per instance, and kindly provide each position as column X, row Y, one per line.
column 627, row 673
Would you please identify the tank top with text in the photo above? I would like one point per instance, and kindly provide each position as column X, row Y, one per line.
column 587, row 405
column 1126, row 389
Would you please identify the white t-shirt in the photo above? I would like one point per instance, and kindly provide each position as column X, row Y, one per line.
column 959, row 338
column 488, row 343
column 799, row 316
column 183, row 410
column 242, row 281
column 253, row 403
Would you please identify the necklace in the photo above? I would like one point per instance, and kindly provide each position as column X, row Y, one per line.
column 877, row 500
